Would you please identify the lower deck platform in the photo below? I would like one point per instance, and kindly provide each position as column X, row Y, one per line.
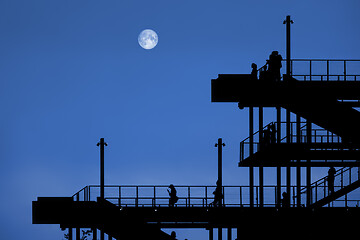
column 134, row 222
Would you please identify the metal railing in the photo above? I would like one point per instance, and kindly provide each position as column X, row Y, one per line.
column 343, row 177
column 325, row 69
column 199, row 196
column 318, row 135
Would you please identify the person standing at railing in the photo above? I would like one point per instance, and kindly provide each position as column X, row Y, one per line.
column 172, row 193
column 274, row 63
column 331, row 179
column 254, row 71
column 218, row 196
column 285, row 201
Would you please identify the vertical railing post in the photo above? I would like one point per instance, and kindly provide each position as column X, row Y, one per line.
column 137, row 197
column 344, row 70
column 154, row 202
column 119, row 196
column 241, row 203
column 189, row 196
column 350, row 175
column 310, row 70
column 223, row 199
column 327, row 70
column 206, row 196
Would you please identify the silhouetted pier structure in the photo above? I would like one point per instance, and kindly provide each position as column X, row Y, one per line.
column 320, row 129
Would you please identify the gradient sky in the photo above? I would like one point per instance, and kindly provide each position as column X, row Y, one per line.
column 73, row 71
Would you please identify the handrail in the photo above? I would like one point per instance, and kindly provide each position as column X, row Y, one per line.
column 320, row 189
column 327, row 70
column 189, row 196
column 318, row 135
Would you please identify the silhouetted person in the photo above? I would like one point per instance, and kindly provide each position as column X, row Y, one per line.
column 173, row 235
column 331, row 179
column 217, row 195
column 266, row 137
column 254, row 71
column 285, row 200
column 274, row 63
column 172, row 193
column 272, row 133
column 262, row 73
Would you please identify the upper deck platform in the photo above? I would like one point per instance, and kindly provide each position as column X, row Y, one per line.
column 248, row 92
column 312, row 81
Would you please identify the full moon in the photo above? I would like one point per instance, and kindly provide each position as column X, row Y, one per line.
column 148, row 39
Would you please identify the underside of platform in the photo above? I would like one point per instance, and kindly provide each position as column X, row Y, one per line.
column 146, row 222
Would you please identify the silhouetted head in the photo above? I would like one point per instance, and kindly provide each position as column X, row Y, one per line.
column 275, row 53
column 171, row 186
column 173, row 235
column 253, row 65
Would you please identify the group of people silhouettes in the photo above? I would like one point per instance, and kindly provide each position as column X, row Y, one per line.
column 218, row 195
column 269, row 135
column 271, row 71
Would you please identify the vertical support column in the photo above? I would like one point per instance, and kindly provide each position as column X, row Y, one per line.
column 77, row 233
column 102, row 235
column 288, row 22
column 229, row 234
column 251, row 169
column 219, row 233
column 261, row 169
column 70, row 234
column 102, row 145
column 94, row 233
column 308, row 167
column 298, row 168
column 278, row 169
column 219, row 145
column 211, row 234
column 288, row 169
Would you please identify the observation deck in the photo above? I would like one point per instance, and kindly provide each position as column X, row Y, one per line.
column 128, row 209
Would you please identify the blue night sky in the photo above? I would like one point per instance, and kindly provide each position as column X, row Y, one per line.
column 73, row 71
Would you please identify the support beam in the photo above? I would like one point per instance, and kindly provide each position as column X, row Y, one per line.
column 94, row 233
column 278, row 169
column 288, row 169
column 288, row 22
column 308, row 168
column 261, row 169
column 211, row 234
column 102, row 145
column 70, row 234
column 298, row 168
column 219, row 145
column 229, row 234
column 77, row 233
column 251, row 169
column 219, row 233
